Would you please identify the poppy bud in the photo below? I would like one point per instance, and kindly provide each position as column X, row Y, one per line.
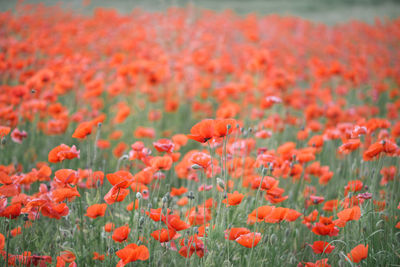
column 3, row 141
column 138, row 195
column 191, row 195
column 273, row 239
column 164, row 200
column 141, row 221
column 220, row 183
column 196, row 167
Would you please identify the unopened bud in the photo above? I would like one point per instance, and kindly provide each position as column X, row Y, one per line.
column 138, row 195
column 196, row 167
column 191, row 195
column 220, row 183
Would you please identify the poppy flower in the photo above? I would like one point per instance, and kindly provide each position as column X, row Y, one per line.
column 233, row 199
column 178, row 191
column 97, row 256
column 161, row 163
column 67, row 256
column 131, row 253
column 173, row 221
column 279, row 214
column 83, row 130
column 61, row 194
column 358, row 253
column 318, row 263
column 164, row 145
column 116, row 194
column 156, row 214
column 202, row 131
column 259, row 214
column 322, row 247
column 121, row 178
column 63, row 152
column 96, row 210
column 16, row 231
column 249, row 240
column 350, row 214
column 2, row 241
column 131, row 205
column 4, row 130
column 224, row 127
column 183, row 201
column 234, row 233
column 120, row 234
column 17, row 136
column 163, row 235
column 66, row 176
column 109, row 227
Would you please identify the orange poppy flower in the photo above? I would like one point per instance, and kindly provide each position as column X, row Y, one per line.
column 164, row 145
column 234, row 233
column 67, row 256
column 60, row 194
column 163, row 235
column 279, row 214
column 2, row 241
column 322, row 247
column 4, row 130
column 318, row 263
column 83, row 130
column 161, row 163
column 109, row 227
column 96, row 210
column 249, row 240
column 173, row 221
column 63, row 152
column 358, row 253
column 233, row 199
column 116, row 194
column 350, row 214
column 183, row 201
column 120, row 234
column 178, row 191
column 132, row 252
column 202, row 131
column 221, row 127
column 97, row 256
column 16, row 231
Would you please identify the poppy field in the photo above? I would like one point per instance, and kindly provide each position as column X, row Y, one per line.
column 190, row 137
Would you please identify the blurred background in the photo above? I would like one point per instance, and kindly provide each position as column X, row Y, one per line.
column 327, row 11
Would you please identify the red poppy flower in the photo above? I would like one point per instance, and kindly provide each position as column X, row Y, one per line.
column 202, row 131
column 83, row 130
column 96, row 210
column 322, row 247
column 358, row 253
column 120, row 234
column 63, row 152
column 249, row 240
column 131, row 253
